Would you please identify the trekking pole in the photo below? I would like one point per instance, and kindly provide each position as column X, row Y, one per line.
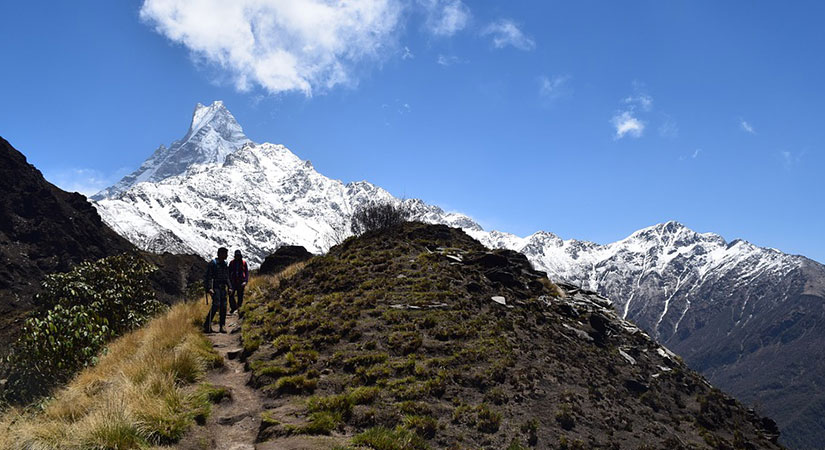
column 206, row 297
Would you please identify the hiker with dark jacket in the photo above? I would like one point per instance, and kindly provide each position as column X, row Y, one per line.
column 238, row 277
column 216, row 282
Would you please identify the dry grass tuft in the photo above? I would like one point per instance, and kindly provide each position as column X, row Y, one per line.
column 265, row 283
column 136, row 396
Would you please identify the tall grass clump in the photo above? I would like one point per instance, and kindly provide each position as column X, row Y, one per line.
column 139, row 394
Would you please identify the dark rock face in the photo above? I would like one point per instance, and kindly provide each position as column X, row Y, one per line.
column 175, row 273
column 284, row 257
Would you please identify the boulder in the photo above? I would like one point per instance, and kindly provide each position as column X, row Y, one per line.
column 283, row 258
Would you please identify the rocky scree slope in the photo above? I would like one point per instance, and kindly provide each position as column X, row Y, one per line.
column 44, row 229
column 751, row 319
column 420, row 334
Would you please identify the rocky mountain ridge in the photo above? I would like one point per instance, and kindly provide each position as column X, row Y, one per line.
column 727, row 307
column 419, row 334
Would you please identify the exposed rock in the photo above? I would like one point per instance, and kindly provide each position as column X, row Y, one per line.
column 284, row 257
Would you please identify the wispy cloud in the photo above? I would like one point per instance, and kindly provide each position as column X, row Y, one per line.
column 642, row 101
column 85, row 181
column 746, row 126
column 694, row 155
column 791, row 159
column 505, row 32
column 787, row 159
column 669, row 128
column 445, row 17
column 448, row 60
column 553, row 88
column 627, row 125
column 407, row 54
column 281, row 46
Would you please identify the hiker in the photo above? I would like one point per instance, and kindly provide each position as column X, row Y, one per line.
column 216, row 283
column 238, row 277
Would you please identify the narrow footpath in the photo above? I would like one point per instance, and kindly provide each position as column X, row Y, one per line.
column 234, row 422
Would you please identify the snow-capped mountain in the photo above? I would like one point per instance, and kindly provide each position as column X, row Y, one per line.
column 213, row 134
column 750, row 318
column 261, row 197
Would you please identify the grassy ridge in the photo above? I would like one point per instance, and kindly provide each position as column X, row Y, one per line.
column 142, row 393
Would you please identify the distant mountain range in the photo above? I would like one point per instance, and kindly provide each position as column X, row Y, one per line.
column 751, row 319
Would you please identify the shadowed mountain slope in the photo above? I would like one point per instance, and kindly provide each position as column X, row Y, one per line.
column 44, row 229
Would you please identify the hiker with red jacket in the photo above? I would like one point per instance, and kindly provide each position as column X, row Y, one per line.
column 216, row 282
column 238, row 277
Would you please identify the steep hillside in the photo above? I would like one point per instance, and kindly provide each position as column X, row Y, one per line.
column 44, row 229
column 750, row 319
column 419, row 334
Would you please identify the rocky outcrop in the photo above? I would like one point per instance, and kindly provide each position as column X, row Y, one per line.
column 283, row 258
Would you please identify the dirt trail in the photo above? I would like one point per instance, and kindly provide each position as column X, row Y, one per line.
column 234, row 422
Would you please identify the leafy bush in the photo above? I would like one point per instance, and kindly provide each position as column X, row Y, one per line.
column 82, row 310
column 376, row 216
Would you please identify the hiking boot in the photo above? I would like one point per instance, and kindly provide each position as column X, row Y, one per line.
column 222, row 330
column 208, row 330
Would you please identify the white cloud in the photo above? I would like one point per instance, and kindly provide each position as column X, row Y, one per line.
column 86, row 181
column 696, row 153
column 746, row 126
column 552, row 88
column 505, row 32
column 445, row 17
column 280, row 45
column 626, row 124
column 407, row 54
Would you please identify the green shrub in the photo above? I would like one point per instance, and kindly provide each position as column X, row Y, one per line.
column 378, row 215
column 296, row 384
column 83, row 309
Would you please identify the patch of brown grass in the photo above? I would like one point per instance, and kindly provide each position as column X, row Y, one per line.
column 135, row 397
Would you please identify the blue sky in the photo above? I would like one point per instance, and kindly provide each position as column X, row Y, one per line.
column 588, row 119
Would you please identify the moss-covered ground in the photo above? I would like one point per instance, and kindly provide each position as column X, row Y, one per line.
column 393, row 340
